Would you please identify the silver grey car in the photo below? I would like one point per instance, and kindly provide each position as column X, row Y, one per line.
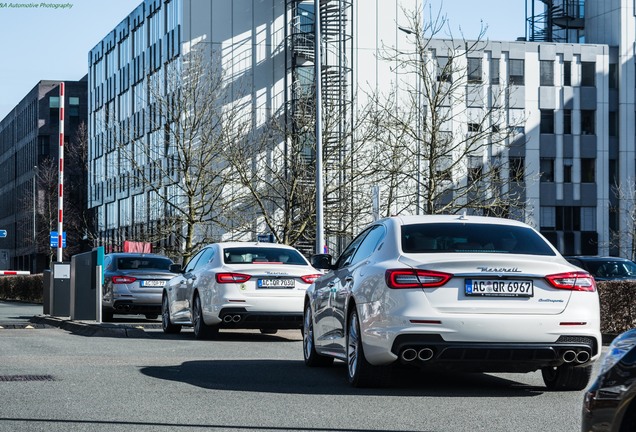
column 133, row 283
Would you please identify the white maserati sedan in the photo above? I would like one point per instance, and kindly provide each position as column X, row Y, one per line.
column 458, row 293
column 238, row 285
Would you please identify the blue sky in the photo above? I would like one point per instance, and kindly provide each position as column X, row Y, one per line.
column 47, row 43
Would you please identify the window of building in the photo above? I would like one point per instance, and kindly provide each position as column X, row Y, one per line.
column 474, row 70
column 444, row 69
column 473, row 127
column 54, row 102
column 547, row 170
column 613, row 76
column 567, row 122
column 567, row 170
column 547, row 121
column 516, row 73
column 567, row 73
column 547, row 218
column 567, row 218
column 516, row 171
column 588, row 170
column 546, row 73
column 588, row 219
column 588, row 74
column 587, row 122
column 613, row 124
column 494, row 71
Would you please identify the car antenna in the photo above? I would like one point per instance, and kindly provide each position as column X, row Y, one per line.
column 463, row 216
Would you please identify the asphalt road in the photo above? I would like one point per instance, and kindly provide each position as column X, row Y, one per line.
column 56, row 380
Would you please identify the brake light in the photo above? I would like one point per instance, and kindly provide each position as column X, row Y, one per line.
column 413, row 278
column 309, row 279
column 574, row 281
column 123, row 279
column 232, row 277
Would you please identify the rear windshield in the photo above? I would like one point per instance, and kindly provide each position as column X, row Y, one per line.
column 145, row 263
column 258, row 255
column 611, row 268
column 473, row 238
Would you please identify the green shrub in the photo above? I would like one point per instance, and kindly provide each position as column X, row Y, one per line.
column 28, row 288
column 618, row 308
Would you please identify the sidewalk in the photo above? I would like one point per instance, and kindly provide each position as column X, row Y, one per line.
column 25, row 315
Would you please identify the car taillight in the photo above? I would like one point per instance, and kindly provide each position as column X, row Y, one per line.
column 412, row 278
column 309, row 279
column 575, row 281
column 232, row 277
column 123, row 279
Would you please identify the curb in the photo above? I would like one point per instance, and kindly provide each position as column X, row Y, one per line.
column 83, row 328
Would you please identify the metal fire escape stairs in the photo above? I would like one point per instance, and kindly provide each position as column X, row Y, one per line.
column 337, row 98
column 559, row 20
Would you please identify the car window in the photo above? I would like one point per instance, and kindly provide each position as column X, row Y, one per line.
column 206, row 257
column 193, row 261
column 262, row 255
column 345, row 259
column 108, row 261
column 613, row 269
column 473, row 238
column 143, row 263
column 369, row 244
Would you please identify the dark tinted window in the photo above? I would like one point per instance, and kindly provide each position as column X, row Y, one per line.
column 137, row 263
column 257, row 255
column 371, row 241
column 487, row 238
column 345, row 259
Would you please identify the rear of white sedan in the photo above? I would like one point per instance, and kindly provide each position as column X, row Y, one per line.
column 458, row 293
column 238, row 285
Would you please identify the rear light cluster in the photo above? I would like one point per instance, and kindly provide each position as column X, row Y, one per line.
column 414, row 278
column 574, row 281
column 309, row 279
column 123, row 279
column 232, row 278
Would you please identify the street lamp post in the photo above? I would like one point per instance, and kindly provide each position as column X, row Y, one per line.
column 35, row 248
column 320, row 240
column 418, row 149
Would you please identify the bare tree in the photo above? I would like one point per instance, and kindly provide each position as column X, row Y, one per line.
column 623, row 242
column 445, row 128
column 180, row 170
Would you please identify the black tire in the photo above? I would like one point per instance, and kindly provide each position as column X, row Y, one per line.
column 107, row 315
column 166, row 324
column 361, row 373
column 269, row 331
column 201, row 329
column 566, row 377
column 152, row 316
column 312, row 358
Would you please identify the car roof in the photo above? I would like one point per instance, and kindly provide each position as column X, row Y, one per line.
column 135, row 255
column 225, row 245
column 415, row 219
column 595, row 258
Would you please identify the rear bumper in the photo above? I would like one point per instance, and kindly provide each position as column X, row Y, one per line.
column 432, row 351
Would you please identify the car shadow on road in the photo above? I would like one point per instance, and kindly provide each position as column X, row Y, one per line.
column 292, row 376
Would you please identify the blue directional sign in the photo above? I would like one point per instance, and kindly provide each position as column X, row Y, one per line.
column 3, row 233
column 55, row 241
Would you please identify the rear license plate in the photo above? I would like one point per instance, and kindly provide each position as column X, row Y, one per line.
column 276, row 283
column 152, row 283
column 499, row 288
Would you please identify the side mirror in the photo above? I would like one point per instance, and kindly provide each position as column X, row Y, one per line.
column 322, row 261
column 176, row 268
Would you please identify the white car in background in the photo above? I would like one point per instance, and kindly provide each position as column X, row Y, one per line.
column 238, row 285
column 463, row 293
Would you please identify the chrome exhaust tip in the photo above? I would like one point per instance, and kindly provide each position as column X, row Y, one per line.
column 569, row 356
column 425, row 354
column 227, row 318
column 583, row 357
column 236, row 318
column 408, row 355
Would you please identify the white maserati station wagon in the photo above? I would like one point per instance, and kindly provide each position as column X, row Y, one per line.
column 465, row 293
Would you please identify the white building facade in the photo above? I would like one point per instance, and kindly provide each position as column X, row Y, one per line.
column 575, row 138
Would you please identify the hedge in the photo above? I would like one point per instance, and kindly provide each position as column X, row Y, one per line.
column 618, row 299
column 28, row 288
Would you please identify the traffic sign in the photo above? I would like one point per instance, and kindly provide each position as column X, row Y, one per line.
column 55, row 239
column 3, row 233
